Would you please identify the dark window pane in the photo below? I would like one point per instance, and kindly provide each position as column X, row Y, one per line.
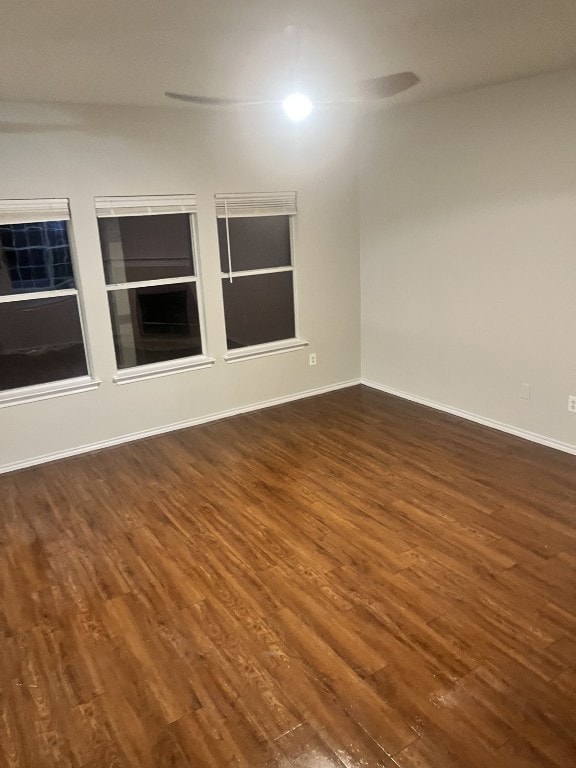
column 138, row 248
column 35, row 257
column 40, row 341
column 155, row 323
column 259, row 242
column 258, row 309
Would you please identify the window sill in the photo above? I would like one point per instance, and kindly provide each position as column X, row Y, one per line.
column 153, row 371
column 262, row 350
column 45, row 391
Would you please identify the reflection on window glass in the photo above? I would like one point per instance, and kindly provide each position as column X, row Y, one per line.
column 256, row 242
column 40, row 341
column 137, row 248
column 155, row 323
column 259, row 309
column 35, row 257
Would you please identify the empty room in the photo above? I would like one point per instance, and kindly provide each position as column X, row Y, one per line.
column 288, row 384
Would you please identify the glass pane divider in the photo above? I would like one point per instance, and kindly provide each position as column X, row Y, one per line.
column 248, row 272
column 151, row 283
column 28, row 296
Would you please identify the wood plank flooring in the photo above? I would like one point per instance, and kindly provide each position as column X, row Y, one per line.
column 347, row 581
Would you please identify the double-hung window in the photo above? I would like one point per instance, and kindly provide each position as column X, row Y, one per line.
column 148, row 250
column 42, row 349
column 255, row 233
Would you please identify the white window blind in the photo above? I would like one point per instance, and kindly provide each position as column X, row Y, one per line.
column 239, row 204
column 32, row 210
column 107, row 207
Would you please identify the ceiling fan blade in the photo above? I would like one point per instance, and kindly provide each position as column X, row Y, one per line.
column 214, row 101
column 365, row 90
column 388, row 85
column 372, row 90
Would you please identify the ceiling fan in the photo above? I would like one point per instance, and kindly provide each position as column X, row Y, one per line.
column 297, row 105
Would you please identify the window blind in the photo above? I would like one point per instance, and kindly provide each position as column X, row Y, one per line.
column 37, row 209
column 236, row 204
column 107, row 207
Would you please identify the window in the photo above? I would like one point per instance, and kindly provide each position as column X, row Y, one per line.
column 255, row 241
column 41, row 338
column 150, row 269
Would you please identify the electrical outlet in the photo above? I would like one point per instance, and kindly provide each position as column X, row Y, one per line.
column 525, row 391
column 572, row 403
column 312, row 359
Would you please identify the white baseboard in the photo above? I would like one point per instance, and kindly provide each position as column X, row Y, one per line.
column 508, row 428
column 97, row 446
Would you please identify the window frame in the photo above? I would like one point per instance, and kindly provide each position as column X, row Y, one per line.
column 260, row 206
column 159, row 205
column 38, row 210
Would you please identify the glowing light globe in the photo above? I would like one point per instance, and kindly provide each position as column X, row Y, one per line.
column 297, row 107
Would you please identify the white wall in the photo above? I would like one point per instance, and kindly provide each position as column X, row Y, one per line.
column 83, row 152
column 468, row 252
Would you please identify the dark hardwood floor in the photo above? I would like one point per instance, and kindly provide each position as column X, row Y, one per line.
column 348, row 581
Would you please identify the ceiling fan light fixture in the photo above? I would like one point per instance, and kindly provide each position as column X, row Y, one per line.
column 297, row 107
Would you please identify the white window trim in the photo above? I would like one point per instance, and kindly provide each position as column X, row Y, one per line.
column 245, row 204
column 33, row 210
column 167, row 368
column 142, row 205
column 283, row 345
column 263, row 350
column 30, row 211
column 50, row 389
column 161, row 205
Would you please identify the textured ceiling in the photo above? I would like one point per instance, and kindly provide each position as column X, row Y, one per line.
column 130, row 52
